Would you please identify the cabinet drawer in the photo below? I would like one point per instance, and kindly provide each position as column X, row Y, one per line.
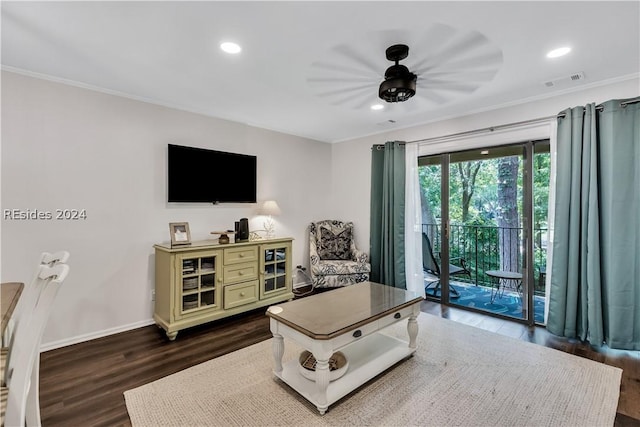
column 240, row 272
column 395, row 317
column 354, row 335
column 240, row 294
column 240, row 255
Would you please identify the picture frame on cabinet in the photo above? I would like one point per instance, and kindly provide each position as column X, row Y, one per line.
column 180, row 234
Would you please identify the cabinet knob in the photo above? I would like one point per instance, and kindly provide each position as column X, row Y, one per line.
column 241, row 294
column 220, row 279
column 357, row 334
column 396, row 316
column 241, row 273
column 241, row 255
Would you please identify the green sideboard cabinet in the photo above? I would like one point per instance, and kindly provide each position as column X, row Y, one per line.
column 206, row 281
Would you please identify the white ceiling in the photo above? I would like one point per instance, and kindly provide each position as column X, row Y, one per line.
column 313, row 68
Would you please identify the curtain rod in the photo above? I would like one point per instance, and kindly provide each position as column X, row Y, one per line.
column 508, row 125
column 487, row 129
column 382, row 146
column 601, row 107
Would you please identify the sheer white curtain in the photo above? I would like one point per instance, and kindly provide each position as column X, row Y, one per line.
column 413, row 223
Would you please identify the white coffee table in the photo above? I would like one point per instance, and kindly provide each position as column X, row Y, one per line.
column 349, row 320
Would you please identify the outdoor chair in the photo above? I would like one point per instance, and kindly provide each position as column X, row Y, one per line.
column 431, row 265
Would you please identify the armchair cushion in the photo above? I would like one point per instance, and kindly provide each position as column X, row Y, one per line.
column 334, row 244
column 322, row 267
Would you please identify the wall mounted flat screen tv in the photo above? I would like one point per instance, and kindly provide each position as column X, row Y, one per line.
column 198, row 175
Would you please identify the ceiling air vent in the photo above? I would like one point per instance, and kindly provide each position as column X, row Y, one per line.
column 567, row 80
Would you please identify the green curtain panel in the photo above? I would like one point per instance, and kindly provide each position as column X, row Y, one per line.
column 387, row 214
column 595, row 277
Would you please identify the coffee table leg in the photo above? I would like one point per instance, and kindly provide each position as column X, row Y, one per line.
column 412, row 329
column 278, row 351
column 322, row 383
column 322, row 357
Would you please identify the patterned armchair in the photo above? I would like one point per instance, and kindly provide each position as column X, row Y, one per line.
column 334, row 259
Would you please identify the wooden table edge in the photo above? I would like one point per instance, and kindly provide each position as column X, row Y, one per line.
column 323, row 337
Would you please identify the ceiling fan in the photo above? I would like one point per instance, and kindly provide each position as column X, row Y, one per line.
column 446, row 64
column 399, row 83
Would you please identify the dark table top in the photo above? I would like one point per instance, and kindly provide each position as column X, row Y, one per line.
column 511, row 275
column 332, row 313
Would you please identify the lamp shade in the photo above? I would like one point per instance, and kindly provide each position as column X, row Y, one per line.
column 269, row 207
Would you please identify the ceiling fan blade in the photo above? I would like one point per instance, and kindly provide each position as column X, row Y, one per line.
column 431, row 96
column 455, row 50
column 488, row 59
column 466, row 87
column 447, row 94
column 411, row 105
column 346, row 90
column 385, row 38
column 435, row 35
column 368, row 100
column 342, row 69
column 349, row 99
column 457, row 75
column 357, row 57
column 321, row 80
column 467, row 42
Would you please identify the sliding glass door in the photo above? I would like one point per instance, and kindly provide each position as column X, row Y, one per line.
column 484, row 223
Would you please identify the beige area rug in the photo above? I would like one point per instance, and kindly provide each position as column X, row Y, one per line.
column 459, row 376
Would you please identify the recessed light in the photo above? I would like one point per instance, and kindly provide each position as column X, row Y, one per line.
column 484, row 152
column 558, row 52
column 230, row 47
column 377, row 107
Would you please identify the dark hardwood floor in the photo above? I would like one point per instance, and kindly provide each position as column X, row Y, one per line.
column 83, row 384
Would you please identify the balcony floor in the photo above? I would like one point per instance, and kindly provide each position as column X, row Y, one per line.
column 479, row 297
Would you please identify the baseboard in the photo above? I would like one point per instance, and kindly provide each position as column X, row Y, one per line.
column 99, row 334
column 93, row 335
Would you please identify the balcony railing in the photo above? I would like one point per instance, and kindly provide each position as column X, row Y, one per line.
column 481, row 248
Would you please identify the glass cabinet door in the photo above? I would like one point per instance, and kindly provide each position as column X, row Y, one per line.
column 199, row 285
column 275, row 263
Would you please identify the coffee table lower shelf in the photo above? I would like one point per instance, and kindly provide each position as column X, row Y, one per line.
column 367, row 358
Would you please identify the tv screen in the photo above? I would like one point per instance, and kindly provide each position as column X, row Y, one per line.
column 200, row 175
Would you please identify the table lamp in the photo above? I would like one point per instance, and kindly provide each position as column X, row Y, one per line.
column 269, row 208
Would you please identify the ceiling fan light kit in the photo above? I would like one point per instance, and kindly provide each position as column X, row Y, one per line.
column 399, row 83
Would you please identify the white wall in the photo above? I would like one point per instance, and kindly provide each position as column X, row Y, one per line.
column 65, row 147
column 351, row 160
